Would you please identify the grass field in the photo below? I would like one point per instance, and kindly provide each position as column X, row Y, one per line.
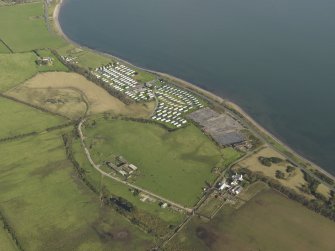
column 268, row 222
column 27, row 20
column 50, row 208
column 91, row 60
column 150, row 212
column 6, row 242
column 18, row 119
column 85, row 58
column 16, row 68
column 3, row 48
column 144, row 76
column 98, row 99
column 172, row 164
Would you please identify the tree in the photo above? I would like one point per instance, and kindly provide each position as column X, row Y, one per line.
column 280, row 174
column 290, row 169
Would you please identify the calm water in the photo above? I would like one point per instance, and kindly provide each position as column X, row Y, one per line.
column 275, row 58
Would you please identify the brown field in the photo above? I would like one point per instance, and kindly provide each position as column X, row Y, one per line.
column 64, row 101
column 98, row 99
column 323, row 189
column 268, row 221
column 294, row 181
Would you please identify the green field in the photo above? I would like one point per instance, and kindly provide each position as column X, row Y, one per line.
column 49, row 208
column 144, row 76
column 91, row 60
column 175, row 165
column 19, row 119
column 267, row 222
column 150, row 212
column 3, row 48
column 6, row 242
column 19, row 67
column 22, row 28
column 16, row 68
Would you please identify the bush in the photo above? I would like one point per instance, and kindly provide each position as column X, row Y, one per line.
column 280, row 174
column 268, row 161
column 290, row 169
column 264, row 161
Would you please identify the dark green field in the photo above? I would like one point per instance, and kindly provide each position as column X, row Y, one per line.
column 268, row 222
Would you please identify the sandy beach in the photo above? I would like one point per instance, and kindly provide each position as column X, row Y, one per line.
column 219, row 100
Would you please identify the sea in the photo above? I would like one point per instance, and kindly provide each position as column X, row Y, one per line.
column 274, row 58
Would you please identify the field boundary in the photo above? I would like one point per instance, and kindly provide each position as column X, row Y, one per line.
column 32, row 106
column 8, row 228
column 6, row 45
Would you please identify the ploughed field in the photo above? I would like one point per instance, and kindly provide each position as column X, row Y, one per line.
column 175, row 165
column 268, row 221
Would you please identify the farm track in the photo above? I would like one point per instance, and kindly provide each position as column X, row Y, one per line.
column 88, row 155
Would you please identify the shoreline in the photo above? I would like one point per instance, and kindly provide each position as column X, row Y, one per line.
column 188, row 85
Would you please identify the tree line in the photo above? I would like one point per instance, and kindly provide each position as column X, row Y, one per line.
column 19, row 136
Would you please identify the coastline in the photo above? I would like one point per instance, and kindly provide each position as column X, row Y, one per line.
column 213, row 97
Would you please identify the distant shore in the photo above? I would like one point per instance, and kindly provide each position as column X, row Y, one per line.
column 191, row 86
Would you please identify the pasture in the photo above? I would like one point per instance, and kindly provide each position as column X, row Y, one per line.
column 16, row 68
column 85, row 58
column 175, row 165
column 6, row 242
column 3, row 48
column 19, row 119
column 22, row 28
column 148, row 212
column 49, row 208
column 99, row 100
column 91, row 60
column 269, row 221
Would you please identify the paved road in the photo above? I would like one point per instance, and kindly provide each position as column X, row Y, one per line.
column 88, row 155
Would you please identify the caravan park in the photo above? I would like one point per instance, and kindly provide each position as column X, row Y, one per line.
column 98, row 154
